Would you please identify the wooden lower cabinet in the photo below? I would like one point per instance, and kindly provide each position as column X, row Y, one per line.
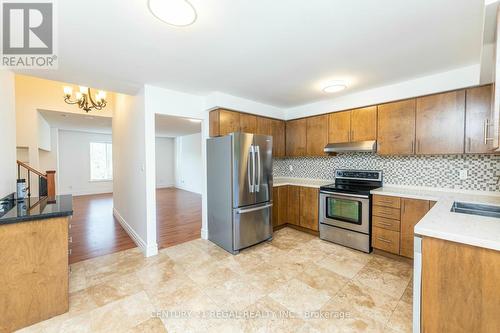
column 393, row 222
column 309, row 208
column 460, row 288
column 296, row 205
column 412, row 211
column 34, row 273
column 280, row 205
column 293, row 205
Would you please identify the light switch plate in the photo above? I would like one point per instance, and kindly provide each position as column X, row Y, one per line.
column 463, row 174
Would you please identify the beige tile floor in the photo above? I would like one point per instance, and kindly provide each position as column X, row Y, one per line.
column 296, row 283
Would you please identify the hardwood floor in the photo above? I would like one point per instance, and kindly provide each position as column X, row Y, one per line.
column 95, row 231
column 178, row 216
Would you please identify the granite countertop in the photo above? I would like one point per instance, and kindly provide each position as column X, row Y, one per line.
column 305, row 182
column 13, row 211
column 441, row 223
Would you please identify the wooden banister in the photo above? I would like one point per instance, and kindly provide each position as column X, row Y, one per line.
column 36, row 172
column 48, row 177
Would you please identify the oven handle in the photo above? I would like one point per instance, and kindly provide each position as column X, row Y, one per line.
column 345, row 195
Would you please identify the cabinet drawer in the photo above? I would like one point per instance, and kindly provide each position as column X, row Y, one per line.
column 386, row 240
column 387, row 201
column 382, row 222
column 387, row 212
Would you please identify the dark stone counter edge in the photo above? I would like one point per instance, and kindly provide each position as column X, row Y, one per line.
column 29, row 218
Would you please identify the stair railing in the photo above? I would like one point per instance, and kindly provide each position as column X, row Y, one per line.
column 46, row 182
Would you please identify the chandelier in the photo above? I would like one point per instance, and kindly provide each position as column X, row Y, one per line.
column 84, row 99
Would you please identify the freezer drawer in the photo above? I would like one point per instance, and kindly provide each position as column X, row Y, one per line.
column 252, row 225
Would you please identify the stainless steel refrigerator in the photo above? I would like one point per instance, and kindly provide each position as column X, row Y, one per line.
column 239, row 190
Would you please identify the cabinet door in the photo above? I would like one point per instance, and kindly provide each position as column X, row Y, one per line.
column 440, row 123
column 478, row 120
column 264, row 126
column 282, row 205
column 396, row 128
column 317, row 135
column 339, row 127
column 213, row 123
column 309, row 208
column 296, row 131
column 364, row 124
column 276, row 206
column 412, row 211
column 229, row 122
column 278, row 133
column 248, row 123
column 293, row 205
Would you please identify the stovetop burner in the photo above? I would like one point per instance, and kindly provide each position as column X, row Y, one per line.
column 355, row 182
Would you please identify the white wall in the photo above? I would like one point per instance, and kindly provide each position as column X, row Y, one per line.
column 49, row 160
column 74, row 163
column 7, row 133
column 188, row 163
column 134, row 170
column 165, row 162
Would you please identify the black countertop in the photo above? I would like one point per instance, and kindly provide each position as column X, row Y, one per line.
column 14, row 211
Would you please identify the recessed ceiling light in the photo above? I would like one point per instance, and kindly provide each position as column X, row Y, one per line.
column 195, row 120
column 179, row 13
column 334, row 86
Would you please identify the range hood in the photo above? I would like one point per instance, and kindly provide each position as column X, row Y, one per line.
column 360, row 146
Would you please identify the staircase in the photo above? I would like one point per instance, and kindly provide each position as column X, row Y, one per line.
column 46, row 181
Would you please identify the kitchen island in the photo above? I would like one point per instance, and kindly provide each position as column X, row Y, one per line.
column 34, row 270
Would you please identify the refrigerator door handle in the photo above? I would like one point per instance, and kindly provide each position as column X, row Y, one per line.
column 250, row 157
column 248, row 210
column 257, row 183
column 253, row 168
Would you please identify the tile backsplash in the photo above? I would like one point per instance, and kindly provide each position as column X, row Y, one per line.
column 433, row 171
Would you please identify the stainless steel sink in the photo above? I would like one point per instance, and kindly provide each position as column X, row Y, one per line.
column 476, row 209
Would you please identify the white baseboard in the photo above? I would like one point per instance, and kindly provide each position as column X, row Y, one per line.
column 148, row 250
column 180, row 187
column 164, row 185
column 204, row 234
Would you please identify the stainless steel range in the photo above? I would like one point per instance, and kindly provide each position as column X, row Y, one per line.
column 345, row 208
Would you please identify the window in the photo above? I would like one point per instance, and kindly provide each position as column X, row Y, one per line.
column 101, row 161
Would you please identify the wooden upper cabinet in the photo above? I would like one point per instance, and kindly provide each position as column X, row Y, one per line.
column 213, row 123
column 396, row 128
column 309, row 208
column 296, row 137
column 339, row 127
column 440, row 123
column 478, row 123
column 229, row 122
column 293, row 213
column 264, row 126
column 412, row 211
column 364, row 124
column 278, row 133
column 248, row 123
column 317, row 135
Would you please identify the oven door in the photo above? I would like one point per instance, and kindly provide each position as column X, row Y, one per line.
column 347, row 211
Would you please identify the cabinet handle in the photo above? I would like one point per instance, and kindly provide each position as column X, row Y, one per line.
column 412, row 147
column 404, row 207
column 418, row 146
column 70, row 239
column 486, row 130
column 69, row 252
column 469, row 145
column 352, row 135
column 384, row 240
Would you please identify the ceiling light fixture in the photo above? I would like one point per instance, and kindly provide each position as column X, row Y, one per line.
column 84, row 99
column 334, row 86
column 179, row 13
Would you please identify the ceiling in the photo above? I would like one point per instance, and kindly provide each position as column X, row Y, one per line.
column 170, row 126
column 276, row 52
column 77, row 122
